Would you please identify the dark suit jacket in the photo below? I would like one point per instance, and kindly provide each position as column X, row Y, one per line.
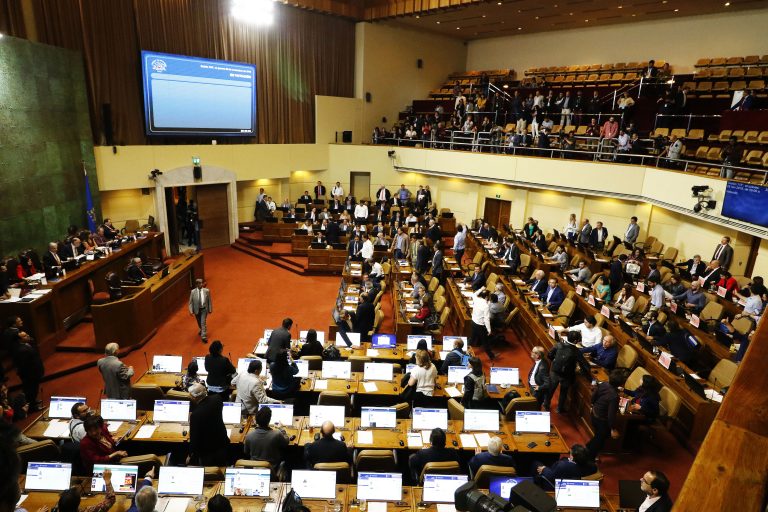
column 326, row 450
column 136, row 273
column 434, row 233
column 711, row 277
column 478, row 281
column 541, row 244
column 70, row 251
column 538, row 288
column 663, row 505
column 422, row 258
column 354, row 247
column 437, row 263
column 207, row 433
column 726, row 256
column 332, row 232
column 484, row 458
column 593, row 236
column 655, row 330
column 305, row 199
column 542, row 374
column 49, row 262
column 387, row 194
column 655, row 275
column 616, row 276
column 364, row 319
column 513, row 260
column 278, row 340
column 419, row 459
column 319, row 191
column 556, row 299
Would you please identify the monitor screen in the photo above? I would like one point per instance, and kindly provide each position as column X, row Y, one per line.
column 244, row 362
column 195, row 96
column 379, row 486
column 448, row 341
column 378, row 417
column 336, row 369
column 577, row 493
column 314, row 484
column 484, row 420
column 440, row 488
column 166, row 364
column 171, row 410
column 281, row 413
column 121, row 410
column 427, row 419
column 303, row 366
column 267, row 334
column 413, row 340
column 320, row 336
column 48, row 476
column 354, row 338
column 378, row 371
column 384, row 341
column 231, row 413
column 61, row 406
column 320, row 413
column 746, row 202
column 456, row 374
column 532, row 421
column 502, row 485
column 176, row 480
column 505, row 376
column 246, row 482
column 201, row 370
column 123, row 478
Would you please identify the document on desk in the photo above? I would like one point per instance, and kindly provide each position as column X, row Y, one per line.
column 57, row 428
column 364, row 437
column 414, row 440
column 261, row 350
column 172, row 504
column 272, row 507
column 713, row 395
column 482, row 438
column 370, row 387
column 535, row 303
column 377, row 506
column 229, row 432
column 21, row 499
column 547, row 315
column 145, row 432
column 425, row 436
column 467, row 441
column 321, row 384
column 372, row 352
column 446, row 507
column 114, row 426
column 453, row 391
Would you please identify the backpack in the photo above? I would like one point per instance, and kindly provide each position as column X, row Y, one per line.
column 331, row 353
column 464, row 358
column 565, row 359
column 292, row 502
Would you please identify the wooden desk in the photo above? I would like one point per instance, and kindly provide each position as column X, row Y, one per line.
column 300, row 244
column 326, row 260
column 278, row 231
column 164, row 380
column 277, row 492
column 404, row 505
column 460, row 320
column 37, row 429
column 383, row 438
column 521, row 441
column 307, row 434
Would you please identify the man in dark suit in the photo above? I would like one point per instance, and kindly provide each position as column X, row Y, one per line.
column 73, row 249
column 434, row 233
column 694, row 266
column 355, row 246
column 538, row 376
column 383, row 195
column 422, row 258
column 279, row 340
column 653, row 274
column 326, row 448
column 485, row 230
column 492, row 457
column 319, row 190
column 711, row 274
column 477, row 280
column 538, row 282
column 437, row 261
column 655, row 485
column 598, row 236
column 365, row 316
column 437, row 452
column 724, row 253
column 136, row 272
column 654, row 329
column 586, row 231
column 332, row 232
column 553, row 296
column 52, row 261
column 336, row 206
column 616, row 273
column 305, row 198
column 511, row 255
column 208, row 439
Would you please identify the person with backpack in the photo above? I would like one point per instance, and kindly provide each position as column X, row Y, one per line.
column 475, row 393
column 456, row 357
column 563, row 371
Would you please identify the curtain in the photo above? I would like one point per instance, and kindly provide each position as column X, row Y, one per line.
column 12, row 19
column 302, row 55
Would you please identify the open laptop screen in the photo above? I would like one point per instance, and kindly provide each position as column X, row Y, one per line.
column 532, row 421
column 61, row 406
column 378, row 371
column 336, row 369
column 231, row 413
column 122, row 410
column 577, row 493
column 483, row 420
column 502, row 485
column 166, row 364
column 171, row 410
column 48, row 476
column 379, row 486
column 246, row 482
column 378, row 417
column 456, row 374
column 314, row 484
column 184, row 481
column 440, row 488
column 505, row 376
column 384, row 341
column 321, row 413
column 413, row 341
column 123, row 478
column 427, row 419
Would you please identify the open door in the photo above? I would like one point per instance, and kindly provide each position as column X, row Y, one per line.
column 213, row 214
column 497, row 212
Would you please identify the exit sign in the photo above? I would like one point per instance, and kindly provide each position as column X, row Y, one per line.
column 498, row 196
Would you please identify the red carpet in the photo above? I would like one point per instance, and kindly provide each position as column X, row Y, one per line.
column 250, row 295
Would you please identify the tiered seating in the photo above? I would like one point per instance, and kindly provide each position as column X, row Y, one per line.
column 468, row 80
column 718, row 76
column 584, row 75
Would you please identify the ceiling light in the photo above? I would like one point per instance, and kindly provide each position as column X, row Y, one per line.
column 255, row 12
column 570, row 14
column 483, row 15
column 633, row 15
column 586, row 21
column 418, row 17
column 437, row 22
column 499, row 3
column 519, row 28
column 727, row 4
column 621, row 7
column 458, row 28
column 676, row 10
column 537, row 17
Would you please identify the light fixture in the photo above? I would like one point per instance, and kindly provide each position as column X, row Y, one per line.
column 519, row 28
column 1, row 35
column 458, row 28
column 255, row 12
column 437, row 22
column 677, row 10
column 727, row 4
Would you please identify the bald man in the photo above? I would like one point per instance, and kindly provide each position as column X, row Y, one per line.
column 326, row 448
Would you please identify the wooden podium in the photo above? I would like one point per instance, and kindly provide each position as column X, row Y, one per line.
column 128, row 321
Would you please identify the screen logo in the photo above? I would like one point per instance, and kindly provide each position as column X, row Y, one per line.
column 159, row 65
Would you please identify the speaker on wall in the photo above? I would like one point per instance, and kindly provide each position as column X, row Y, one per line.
column 106, row 122
column 197, row 172
column 419, row 63
column 368, row 97
column 346, row 136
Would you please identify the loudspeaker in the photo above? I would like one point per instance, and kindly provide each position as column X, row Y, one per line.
column 532, row 497
column 346, row 136
column 197, row 172
column 106, row 122
column 419, row 63
column 145, row 191
column 367, row 97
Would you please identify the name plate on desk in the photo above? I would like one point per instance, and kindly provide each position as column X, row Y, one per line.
column 695, row 320
column 579, row 290
column 641, row 287
column 721, row 291
column 591, row 300
column 552, row 331
column 673, row 306
column 605, row 312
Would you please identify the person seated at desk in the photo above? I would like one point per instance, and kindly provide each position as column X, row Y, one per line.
column 753, row 304
column 110, row 231
column 411, row 218
column 324, row 215
column 485, row 231
column 654, row 328
column 655, row 484
column 455, row 357
column 52, row 261
column 510, row 253
column 677, row 341
column 80, row 412
column 760, row 289
column 284, row 380
column 603, row 354
column 437, row 452
column 538, row 282
column 271, row 206
column 250, row 388
column 625, row 301
column 136, row 272
column 574, row 467
column 477, row 280
column 427, row 317
column 673, row 286
column 345, row 227
column 653, row 272
column 286, row 204
column 100, row 239
column 318, row 238
column 311, row 346
column 475, row 393
column 580, row 274
column 645, row 401
column 290, row 216
column 311, row 216
column 326, row 448
column 98, row 446
column 560, row 256
column 693, row 266
column 728, row 282
column 423, row 376
column 590, row 333
column 305, row 198
column 380, row 240
column 324, row 226
column 693, row 299
column 492, row 457
column 69, row 500
column 380, row 219
column 540, row 242
column 553, row 296
column 26, row 266
column 711, row 274
column 602, row 289
column 266, row 443
column 191, row 377
column 378, row 228
column 73, row 249
column 417, row 284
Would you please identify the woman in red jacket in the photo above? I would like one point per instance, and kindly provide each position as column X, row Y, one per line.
column 98, row 446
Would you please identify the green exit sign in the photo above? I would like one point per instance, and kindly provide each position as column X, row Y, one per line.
column 498, row 196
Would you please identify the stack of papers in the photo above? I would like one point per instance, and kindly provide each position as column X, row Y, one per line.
column 57, row 428
column 114, row 426
column 480, row 439
column 414, row 440
column 453, row 392
column 370, row 387
column 172, row 504
column 372, row 352
column 364, row 437
column 145, row 432
column 321, row 384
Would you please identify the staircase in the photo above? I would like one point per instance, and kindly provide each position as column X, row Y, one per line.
column 276, row 253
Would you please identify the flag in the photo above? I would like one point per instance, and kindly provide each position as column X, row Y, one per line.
column 90, row 213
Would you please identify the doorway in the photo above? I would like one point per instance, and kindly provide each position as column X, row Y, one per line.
column 497, row 212
column 360, row 185
column 213, row 215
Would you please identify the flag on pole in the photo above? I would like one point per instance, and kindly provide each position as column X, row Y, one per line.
column 90, row 212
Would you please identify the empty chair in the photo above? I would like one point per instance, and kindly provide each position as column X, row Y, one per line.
column 722, row 374
column 253, row 464
column 403, row 410
column 627, row 357
column 669, row 405
column 335, row 398
column 315, row 363
column 342, row 469
column 439, row 468
column 564, row 312
column 455, row 410
column 145, row 462
column 37, row 451
column 712, row 312
column 523, row 403
column 484, row 474
column 358, row 362
column 380, row 461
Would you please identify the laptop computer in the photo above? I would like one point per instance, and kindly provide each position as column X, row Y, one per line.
column 427, row 419
column 379, row 486
column 118, row 410
column 384, row 341
column 48, row 476
column 186, row 481
column 456, row 374
column 171, row 411
column 481, row 420
column 61, row 406
column 502, row 485
column 124, row 478
column 694, row 385
column 532, row 421
column 166, row 364
column 281, row 413
column 378, row 371
column 378, row 417
column 314, row 484
column 723, row 338
column 318, row 414
column 580, row 494
column 441, row 488
column 317, row 245
column 247, row 482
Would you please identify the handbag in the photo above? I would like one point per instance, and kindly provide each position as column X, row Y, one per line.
column 633, row 268
column 292, row 502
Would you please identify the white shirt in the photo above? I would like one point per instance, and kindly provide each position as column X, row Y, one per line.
column 481, row 312
column 382, row 195
column 657, row 296
column 376, row 269
column 202, row 296
column 337, row 190
column 425, row 379
column 361, row 211
column 571, row 228
column 589, row 337
column 753, row 305
column 532, row 380
column 367, row 250
column 271, row 205
column 647, row 503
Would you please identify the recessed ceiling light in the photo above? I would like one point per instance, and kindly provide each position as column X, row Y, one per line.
column 437, row 22
column 458, row 28
column 727, row 4
column 418, row 17
column 483, row 15
column 634, row 15
column 663, row 1
column 676, row 10
column 586, row 21
column 519, row 28
column 499, row 3
column 621, row 7
column 570, row 14
column 537, row 17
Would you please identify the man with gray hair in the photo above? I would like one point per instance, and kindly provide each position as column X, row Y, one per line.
column 116, row 375
column 492, row 457
column 146, row 499
column 136, row 272
column 208, row 439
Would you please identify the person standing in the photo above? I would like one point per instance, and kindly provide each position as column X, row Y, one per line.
column 481, row 321
column 563, row 369
column 459, row 243
column 208, row 439
column 279, row 341
column 200, row 306
column 538, row 377
column 116, row 375
column 319, row 190
column 29, row 365
column 605, row 405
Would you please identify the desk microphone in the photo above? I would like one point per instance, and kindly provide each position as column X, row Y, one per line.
column 146, row 360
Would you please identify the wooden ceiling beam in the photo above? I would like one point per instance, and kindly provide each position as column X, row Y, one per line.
column 383, row 9
column 353, row 9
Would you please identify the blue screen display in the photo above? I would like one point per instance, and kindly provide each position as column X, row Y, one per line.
column 194, row 96
column 746, row 202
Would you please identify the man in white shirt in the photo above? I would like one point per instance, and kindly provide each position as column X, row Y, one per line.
column 271, row 204
column 80, row 411
column 337, row 190
column 367, row 250
column 361, row 212
column 459, row 242
column 655, row 485
column 481, row 321
column 657, row 294
column 590, row 333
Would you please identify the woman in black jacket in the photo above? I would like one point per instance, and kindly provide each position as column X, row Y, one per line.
column 220, row 370
column 311, row 346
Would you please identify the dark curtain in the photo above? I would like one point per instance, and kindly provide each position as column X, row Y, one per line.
column 12, row 19
column 301, row 55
